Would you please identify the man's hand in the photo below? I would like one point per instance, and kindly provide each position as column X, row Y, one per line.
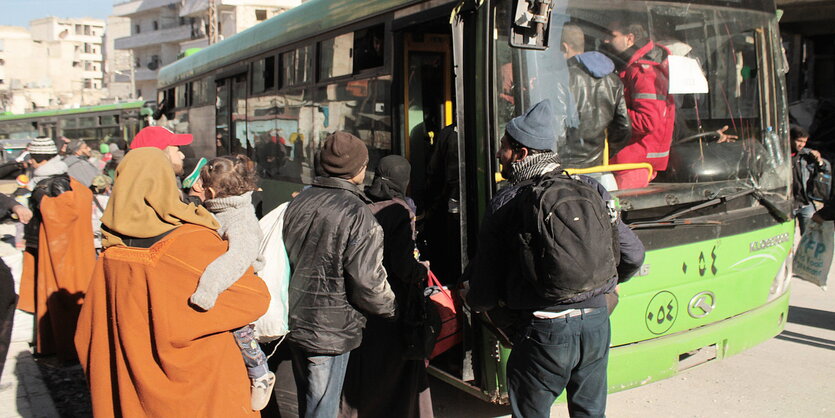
column 23, row 213
column 817, row 155
column 725, row 137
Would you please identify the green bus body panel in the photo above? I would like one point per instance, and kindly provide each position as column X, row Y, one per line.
column 657, row 303
column 63, row 112
column 304, row 21
column 648, row 361
column 745, row 268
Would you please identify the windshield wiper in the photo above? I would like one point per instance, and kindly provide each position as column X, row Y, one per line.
column 671, row 220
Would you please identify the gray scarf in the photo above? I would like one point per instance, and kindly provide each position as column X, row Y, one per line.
column 532, row 166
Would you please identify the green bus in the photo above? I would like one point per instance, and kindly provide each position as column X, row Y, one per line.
column 92, row 123
column 397, row 73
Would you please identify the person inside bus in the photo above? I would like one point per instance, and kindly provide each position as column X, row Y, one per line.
column 598, row 94
column 642, row 66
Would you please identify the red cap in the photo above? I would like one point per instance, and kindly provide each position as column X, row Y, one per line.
column 159, row 137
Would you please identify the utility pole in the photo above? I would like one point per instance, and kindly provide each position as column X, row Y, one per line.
column 132, row 74
column 213, row 35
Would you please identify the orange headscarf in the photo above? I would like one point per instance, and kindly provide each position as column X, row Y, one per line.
column 147, row 201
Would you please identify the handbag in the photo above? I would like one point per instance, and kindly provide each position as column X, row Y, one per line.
column 450, row 333
column 419, row 323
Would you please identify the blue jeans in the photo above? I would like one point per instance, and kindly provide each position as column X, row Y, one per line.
column 254, row 358
column 319, row 380
column 551, row 355
column 804, row 216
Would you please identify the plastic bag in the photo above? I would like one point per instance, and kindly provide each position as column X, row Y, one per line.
column 276, row 274
column 813, row 257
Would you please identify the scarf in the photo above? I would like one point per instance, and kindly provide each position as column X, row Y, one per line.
column 391, row 178
column 146, row 202
column 532, row 166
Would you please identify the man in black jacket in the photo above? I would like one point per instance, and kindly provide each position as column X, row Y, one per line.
column 335, row 247
column 598, row 93
column 556, row 345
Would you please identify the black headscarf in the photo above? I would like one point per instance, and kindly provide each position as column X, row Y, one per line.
column 390, row 179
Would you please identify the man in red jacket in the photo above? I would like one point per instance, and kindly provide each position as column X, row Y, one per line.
column 645, row 75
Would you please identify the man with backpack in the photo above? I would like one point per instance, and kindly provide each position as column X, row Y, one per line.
column 555, row 283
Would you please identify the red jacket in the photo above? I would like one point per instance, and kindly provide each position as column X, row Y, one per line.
column 652, row 110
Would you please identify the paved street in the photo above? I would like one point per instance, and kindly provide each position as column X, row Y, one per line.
column 791, row 375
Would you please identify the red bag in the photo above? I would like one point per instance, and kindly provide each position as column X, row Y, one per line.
column 450, row 333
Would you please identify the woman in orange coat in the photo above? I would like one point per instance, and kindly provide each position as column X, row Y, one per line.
column 145, row 350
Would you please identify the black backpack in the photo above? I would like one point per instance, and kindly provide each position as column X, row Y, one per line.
column 568, row 244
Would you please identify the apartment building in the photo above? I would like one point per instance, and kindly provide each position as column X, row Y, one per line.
column 162, row 29
column 55, row 63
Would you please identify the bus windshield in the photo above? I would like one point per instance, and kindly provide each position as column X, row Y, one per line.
column 665, row 103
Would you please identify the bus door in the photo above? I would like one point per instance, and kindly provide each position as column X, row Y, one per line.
column 431, row 148
column 230, row 117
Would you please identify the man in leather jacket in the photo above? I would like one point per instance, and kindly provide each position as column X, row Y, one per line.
column 598, row 93
column 335, row 247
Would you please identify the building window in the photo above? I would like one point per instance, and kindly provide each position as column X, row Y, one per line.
column 2, row 61
column 183, row 20
column 137, row 28
column 88, row 84
column 260, row 14
column 78, row 29
column 156, row 25
column 87, row 30
column 87, row 48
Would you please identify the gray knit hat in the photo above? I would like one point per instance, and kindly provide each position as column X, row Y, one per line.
column 74, row 145
column 535, row 129
column 43, row 146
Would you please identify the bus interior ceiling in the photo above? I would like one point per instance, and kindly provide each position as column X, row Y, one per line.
column 423, row 58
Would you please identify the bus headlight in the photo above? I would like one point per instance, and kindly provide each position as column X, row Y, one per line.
column 781, row 280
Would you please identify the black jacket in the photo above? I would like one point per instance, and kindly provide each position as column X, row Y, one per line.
column 50, row 187
column 495, row 276
column 804, row 169
column 598, row 94
column 335, row 248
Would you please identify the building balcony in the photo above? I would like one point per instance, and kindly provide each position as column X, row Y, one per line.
column 89, row 57
column 130, row 8
column 144, row 74
column 98, row 75
column 171, row 35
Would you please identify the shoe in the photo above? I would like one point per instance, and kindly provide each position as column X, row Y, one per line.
column 262, row 390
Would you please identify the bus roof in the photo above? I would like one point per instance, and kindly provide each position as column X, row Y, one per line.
column 310, row 19
column 61, row 112
column 303, row 21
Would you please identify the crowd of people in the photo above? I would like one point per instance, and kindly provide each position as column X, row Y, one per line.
column 142, row 266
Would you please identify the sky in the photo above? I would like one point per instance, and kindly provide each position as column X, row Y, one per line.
column 20, row 12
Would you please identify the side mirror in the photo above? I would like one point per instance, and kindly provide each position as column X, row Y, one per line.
column 530, row 26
